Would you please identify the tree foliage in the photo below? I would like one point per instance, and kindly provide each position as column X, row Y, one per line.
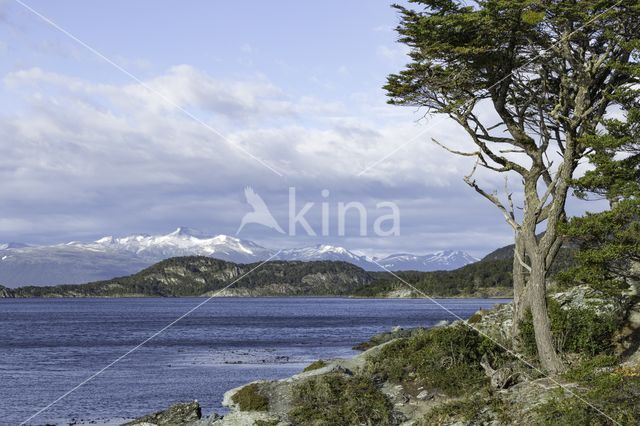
column 528, row 82
column 610, row 240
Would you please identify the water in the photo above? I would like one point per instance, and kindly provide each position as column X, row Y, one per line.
column 49, row 346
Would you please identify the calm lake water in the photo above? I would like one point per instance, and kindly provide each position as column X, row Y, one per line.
column 48, row 346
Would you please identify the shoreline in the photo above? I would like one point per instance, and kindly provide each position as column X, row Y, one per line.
column 258, row 297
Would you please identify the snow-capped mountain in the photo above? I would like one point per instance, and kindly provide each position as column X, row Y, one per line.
column 109, row 257
column 441, row 260
column 182, row 242
column 326, row 252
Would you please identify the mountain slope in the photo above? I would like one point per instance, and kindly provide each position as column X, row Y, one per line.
column 327, row 252
column 197, row 276
column 440, row 261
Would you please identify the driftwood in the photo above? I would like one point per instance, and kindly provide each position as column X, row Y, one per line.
column 501, row 378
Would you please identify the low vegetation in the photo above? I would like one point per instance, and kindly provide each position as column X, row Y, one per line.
column 249, row 398
column 445, row 359
column 315, row 365
column 481, row 408
column 575, row 330
column 336, row 399
column 609, row 389
column 378, row 339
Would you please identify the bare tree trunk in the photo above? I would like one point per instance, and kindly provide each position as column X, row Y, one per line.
column 520, row 299
column 549, row 358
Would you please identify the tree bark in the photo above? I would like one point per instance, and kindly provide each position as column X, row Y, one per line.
column 520, row 299
column 549, row 358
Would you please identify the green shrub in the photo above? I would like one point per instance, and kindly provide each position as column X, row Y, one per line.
column 249, row 398
column 576, row 330
column 442, row 358
column 587, row 371
column 475, row 318
column 335, row 399
column 315, row 365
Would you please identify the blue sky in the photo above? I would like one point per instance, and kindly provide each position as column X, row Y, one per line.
column 89, row 151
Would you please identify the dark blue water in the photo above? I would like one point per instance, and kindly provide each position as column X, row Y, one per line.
column 49, row 346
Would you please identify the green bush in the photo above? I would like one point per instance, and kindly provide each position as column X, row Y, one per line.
column 249, row 398
column 315, row 365
column 575, row 330
column 442, row 358
column 475, row 318
column 335, row 399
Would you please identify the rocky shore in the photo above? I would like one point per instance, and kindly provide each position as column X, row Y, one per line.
column 458, row 377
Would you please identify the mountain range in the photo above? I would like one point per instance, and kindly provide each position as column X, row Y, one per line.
column 80, row 262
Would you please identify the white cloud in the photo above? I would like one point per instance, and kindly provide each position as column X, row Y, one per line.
column 395, row 54
column 84, row 157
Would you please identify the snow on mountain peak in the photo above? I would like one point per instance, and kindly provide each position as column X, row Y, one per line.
column 105, row 240
column 326, row 248
column 77, row 262
column 184, row 231
column 5, row 246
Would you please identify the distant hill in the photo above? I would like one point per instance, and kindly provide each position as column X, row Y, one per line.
column 202, row 276
column 502, row 253
column 199, row 276
column 563, row 260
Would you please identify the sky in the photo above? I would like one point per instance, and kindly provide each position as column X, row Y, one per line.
column 123, row 117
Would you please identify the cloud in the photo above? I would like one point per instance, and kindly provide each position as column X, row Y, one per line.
column 86, row 159
column 395, row 54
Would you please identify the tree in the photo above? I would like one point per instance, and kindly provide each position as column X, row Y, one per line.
column 526, row 81
column 610, row 240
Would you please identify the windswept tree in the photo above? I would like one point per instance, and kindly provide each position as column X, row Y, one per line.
column 526, row 81
column 609, row 255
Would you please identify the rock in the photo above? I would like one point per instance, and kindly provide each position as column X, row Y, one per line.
column 585, row 297
column 496, row 323
column 424, row 395
column 245, row 418
column 6, row 292
column 177, row 414
column 213, row 419
column 395, row 393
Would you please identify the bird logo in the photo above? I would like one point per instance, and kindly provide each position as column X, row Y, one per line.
column 260, row 214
